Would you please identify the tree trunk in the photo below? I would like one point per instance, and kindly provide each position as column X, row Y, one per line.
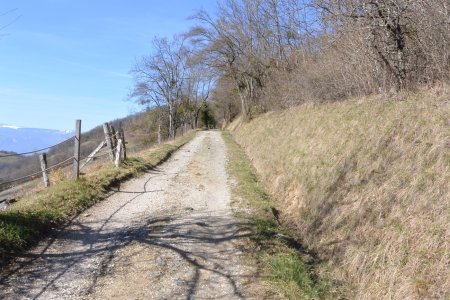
column 197, row 114
column 171, row 123
column 243, row 102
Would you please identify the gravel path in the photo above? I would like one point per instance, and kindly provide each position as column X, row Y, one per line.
column 169, row 234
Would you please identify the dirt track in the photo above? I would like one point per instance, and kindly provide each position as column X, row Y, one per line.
column 169, row 234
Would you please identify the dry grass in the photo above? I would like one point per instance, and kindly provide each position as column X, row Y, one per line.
column 366, row 184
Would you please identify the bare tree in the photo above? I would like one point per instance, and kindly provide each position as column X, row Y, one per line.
column 160, row 78
column 198, row 89
column 392, row 32
column 250, row 40
column 260, row 55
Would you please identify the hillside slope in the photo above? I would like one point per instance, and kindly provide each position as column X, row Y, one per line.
column 366, row 184
column 18, row 139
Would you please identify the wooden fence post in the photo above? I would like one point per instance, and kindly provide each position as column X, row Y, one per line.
column 113, row 136
column 124, row 143
column 108, row 141
column 118, row 153
column 76, row 152
column 43, row 160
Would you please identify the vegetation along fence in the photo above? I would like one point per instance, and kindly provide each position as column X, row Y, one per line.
column 39, row 163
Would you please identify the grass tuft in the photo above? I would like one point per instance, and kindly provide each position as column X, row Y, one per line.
column 288, row 270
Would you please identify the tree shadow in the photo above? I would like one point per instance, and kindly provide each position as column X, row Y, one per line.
column 213, row 231
column 191, row 235
column 203, row 240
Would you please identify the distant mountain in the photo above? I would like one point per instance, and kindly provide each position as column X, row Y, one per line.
column 18, row 139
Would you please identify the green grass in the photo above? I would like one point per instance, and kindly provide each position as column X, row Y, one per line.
column 31, row 218
column 284, row 263
column 287, row 270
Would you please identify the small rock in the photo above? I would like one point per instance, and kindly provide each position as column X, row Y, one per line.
column 87, row 215
column 160, row 261
column 179, row 282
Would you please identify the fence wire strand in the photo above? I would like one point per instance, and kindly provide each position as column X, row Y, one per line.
column 60, row 164
column 4, row 185
column 37, row 173
column 22, row 178
column 35, row 151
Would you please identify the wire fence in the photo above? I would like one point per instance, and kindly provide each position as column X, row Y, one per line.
column 20, row 172
column 9, row 184
column 21, row 168
column 26, row 167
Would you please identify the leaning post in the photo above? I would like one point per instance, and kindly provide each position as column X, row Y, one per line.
column 76, row 152
column 43, row 160
column 118, row 153
column 108, row 141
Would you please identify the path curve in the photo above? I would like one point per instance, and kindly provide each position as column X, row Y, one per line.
column 169, row 234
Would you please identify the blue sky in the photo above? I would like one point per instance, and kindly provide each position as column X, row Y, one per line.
column 68, row 59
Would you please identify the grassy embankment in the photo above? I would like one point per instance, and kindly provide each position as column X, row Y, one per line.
column 287, row 266
column 365, row 184
column 25, row 222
